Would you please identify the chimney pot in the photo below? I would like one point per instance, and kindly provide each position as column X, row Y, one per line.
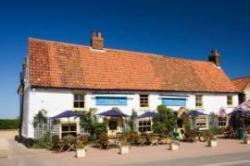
column 96, row 41
column 214, row 57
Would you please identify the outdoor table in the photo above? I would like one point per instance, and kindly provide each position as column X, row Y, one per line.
column 113, row 141
column 200, row 136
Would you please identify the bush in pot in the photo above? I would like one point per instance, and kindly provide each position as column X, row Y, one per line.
column 211, row 139
column 246, row 139
column 133, row 137
column 174, row 145
column 124, row 146
column 80, row 144
column 103, row 140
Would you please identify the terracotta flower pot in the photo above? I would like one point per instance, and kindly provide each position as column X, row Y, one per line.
column 80, row 152
column 212, row 143
column 174, row 146
column 124, row 149
column 246, row 140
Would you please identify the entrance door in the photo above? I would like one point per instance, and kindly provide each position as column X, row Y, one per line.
column 69, row 129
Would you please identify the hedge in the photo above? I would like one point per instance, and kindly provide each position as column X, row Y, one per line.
column 9, row 123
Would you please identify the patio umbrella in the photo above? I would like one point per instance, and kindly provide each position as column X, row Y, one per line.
column 67, row 114
column 242, row 109
column 195, row 113
column 222, row 112
column 148, row 114
column 245, row 106
column 114, row 112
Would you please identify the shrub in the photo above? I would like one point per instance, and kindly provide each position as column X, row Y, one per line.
column 44, row 142
column 165, row 121
column 208, row 135
column 133, row 136
column 132, row 121
column 28, row 142
column 81, row 141
column 92, row 126
column 9, row 123
column 100, row 128
column 69, row 139
column 190, row 135
column 123, row 141
column 103, row 140
column 88, row 121
column 217, row 130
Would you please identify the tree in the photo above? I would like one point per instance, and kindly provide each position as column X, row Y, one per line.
column 40, row 123
column 132, row 121
column 89, row 122
column 213, row 120
column 165, row 121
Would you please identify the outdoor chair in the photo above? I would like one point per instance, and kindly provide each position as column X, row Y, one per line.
column 154, row 140
column 141, row 141
column 164, row 140
column 104, row 141
column 69, row 143
column 58, row 145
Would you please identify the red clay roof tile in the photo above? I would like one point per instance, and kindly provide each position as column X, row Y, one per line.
column 241, row 83
column 61, row 65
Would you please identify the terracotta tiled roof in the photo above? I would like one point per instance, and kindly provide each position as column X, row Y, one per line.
column 241, row 83
column 61, row 65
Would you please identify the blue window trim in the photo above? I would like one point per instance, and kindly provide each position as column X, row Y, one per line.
column 174, row 101
column 111, row 101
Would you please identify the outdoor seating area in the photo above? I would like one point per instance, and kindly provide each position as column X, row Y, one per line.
column 165, row 127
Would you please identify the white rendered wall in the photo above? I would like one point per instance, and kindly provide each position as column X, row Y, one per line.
column 247, row 92
column 55, row 101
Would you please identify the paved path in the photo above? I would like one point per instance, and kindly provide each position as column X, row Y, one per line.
column 190, row 154
column 233, row 159
column 4, row 148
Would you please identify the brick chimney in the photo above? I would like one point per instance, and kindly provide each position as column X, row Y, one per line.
column 214, row 57
column 96, row 41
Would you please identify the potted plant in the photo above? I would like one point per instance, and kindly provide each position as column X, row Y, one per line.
column 246, row 139
column 174, row 144
column 124, row 146
column 211, row 139
column 80, row 145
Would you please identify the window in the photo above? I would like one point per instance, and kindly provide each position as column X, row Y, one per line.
column 174, row 101
column 229, row 100
column 200, row 122
column 144, row 126
column 110, row 101
column 144, row 101
column 78, row 101
column 222, row 121
column 198, row 101
column 69, row 129
column 113, row 124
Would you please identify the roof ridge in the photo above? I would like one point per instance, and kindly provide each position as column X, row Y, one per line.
column 241, row 77
column 155, row 54
column 121, row 50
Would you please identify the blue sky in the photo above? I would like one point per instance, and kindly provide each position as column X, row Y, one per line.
column 181, row 28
